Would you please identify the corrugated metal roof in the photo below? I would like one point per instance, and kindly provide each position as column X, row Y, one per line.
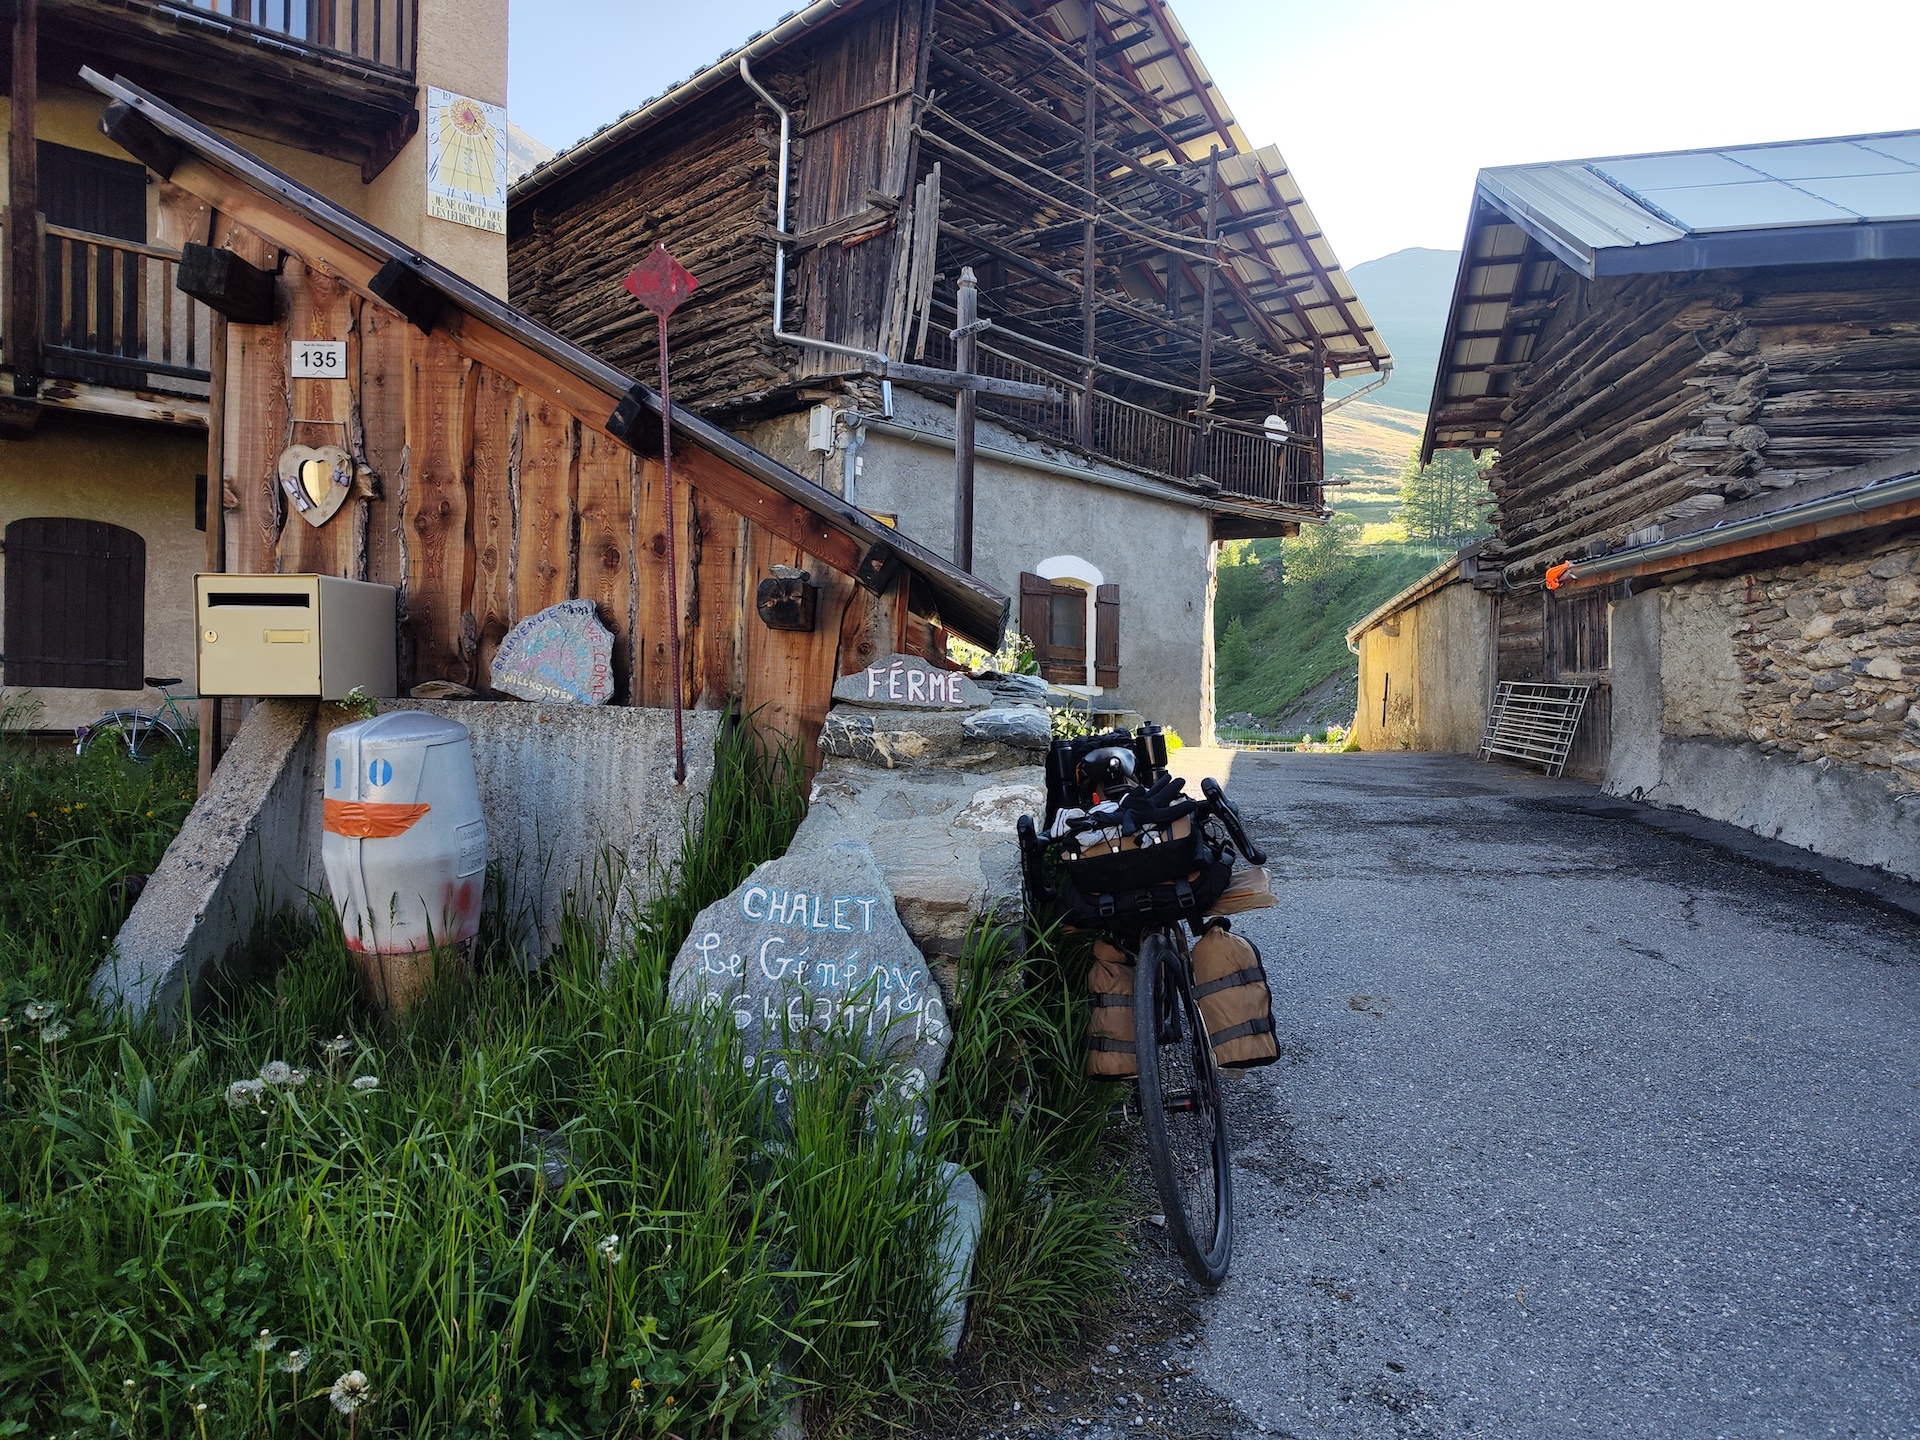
column 1800, row 203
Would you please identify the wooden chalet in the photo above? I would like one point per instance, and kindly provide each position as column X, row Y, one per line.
column 499, row 468
column 1135, row 253
column 1701, row 371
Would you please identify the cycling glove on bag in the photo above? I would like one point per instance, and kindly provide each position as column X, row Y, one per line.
column 1230, row 984
column 1110, row 1053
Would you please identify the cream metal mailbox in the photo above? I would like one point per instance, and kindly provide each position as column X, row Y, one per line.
column 294, row 635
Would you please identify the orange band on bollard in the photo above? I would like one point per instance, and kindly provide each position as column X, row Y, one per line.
column 369, row 819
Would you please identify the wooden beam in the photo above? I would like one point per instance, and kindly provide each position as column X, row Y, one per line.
column 976, row 384
column 226, row 284
column 22, row 319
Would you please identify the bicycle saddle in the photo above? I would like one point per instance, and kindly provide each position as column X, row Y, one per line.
column 161, row 681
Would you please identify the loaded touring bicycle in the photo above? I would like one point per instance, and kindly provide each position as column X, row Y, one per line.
column 1123, row 852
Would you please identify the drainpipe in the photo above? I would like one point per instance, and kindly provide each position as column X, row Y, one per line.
column 1386, row 374
column 780, row 246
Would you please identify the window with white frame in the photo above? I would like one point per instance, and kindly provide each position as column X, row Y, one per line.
column 1071, row 616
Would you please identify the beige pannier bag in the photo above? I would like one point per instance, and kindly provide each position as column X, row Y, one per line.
column 1110, row 1054
column 1230, row 986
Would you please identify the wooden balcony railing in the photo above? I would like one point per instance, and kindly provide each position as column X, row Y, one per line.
column 111, row 315
column 1246, row 461
column 380, row 33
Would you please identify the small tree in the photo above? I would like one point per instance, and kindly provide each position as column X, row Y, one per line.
column 1445, row 504
column 1236, row 655
column 1320, row 558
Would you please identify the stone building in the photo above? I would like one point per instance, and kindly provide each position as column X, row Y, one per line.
column 104, row 389
column 832, row 183
column 1699, row 372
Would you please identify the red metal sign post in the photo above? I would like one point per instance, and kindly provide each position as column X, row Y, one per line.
column 660, row 283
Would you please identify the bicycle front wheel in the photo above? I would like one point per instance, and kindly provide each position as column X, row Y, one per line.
column 140, row 735
column 1181, row 1110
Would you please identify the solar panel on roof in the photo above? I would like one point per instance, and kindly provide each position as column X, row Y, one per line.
column 1818, row 161
column 1741, row 207
column 1901, row 147
column 1668, row 172
column 1876, row 197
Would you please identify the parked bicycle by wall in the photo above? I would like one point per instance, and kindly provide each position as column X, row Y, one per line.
column 141, row 733
column 1124, row 852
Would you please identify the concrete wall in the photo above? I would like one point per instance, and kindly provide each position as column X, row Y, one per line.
column 137, row 476
column 1160, row 553
column 1785, row 700
column 560, row 785
column 1424, row 675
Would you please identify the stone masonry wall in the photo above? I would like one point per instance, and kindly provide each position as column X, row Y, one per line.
column 1828, row 659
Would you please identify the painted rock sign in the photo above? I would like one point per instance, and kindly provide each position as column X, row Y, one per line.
column 562, row 654
column 811, row 942
column 907, row 682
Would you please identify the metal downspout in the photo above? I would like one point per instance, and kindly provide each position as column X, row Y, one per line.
column 780, row 245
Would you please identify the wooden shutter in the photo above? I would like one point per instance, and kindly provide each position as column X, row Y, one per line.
column 76, row 609
column 1106, row 636
column 1036, row 615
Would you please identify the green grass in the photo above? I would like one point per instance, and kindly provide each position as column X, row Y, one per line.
column 1295, row 633
column 561, row 1208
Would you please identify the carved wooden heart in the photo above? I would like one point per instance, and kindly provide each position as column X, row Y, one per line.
column 316, row 479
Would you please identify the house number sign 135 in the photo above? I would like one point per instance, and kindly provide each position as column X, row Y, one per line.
column 320, row 360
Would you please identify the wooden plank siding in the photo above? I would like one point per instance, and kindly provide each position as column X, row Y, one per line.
column 484, row 500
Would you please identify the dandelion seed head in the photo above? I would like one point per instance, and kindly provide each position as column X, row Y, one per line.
column 38, row 1010
column 277, row 1072
column 53, row 1034
column 350, row 1392
column 338, row 1045
column 296, row 1079
column 366, row 1082
column 263, row 1342
column 127, row 1385
column 609, row 1248
column 295, row 1362
column 242, row 1093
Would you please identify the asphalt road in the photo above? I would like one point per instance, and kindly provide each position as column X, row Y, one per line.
column 1581, row 1129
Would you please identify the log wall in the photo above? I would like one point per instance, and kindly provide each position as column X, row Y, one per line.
column 483, row 501
column 1654, row 399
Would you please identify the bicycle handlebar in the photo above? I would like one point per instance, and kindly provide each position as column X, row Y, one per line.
column 1229, row 814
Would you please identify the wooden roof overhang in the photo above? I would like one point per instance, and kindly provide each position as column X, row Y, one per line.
column 239, row 76
column 1006, row 122
column 488, row 330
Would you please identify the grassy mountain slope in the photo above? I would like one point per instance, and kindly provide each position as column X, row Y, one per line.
column 1296, row 633
column 1295, row 668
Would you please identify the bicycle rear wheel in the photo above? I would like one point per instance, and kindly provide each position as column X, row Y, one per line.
column 1181, row 1110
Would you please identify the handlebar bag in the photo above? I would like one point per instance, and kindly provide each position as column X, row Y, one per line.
column 1230, row 985
column 1110, row 1052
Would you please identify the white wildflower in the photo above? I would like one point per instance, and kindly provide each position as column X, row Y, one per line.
column 277, row 1072
column 350, row 1392
column 366, row 1082
column 53, row 1034
column 295, row 1362
column 242, row 1093
column 38, row 1010
column 609, row 1248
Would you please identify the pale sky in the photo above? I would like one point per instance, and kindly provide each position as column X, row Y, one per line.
column 1385, row 110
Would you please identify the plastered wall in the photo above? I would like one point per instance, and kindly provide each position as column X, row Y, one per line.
column 1424, row 675
column 1160, row 554
column 136, row 476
